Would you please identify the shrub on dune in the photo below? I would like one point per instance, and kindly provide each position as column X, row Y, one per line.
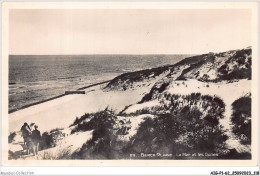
column 11, row 137
column 180, row 125
column 177, row 133
column 241, row 118
column 97, row 119
column 175, row 103
column 99, row 146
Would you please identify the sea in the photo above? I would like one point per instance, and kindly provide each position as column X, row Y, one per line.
column 35, row 78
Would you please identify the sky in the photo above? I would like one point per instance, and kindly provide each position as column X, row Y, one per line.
column 79, row 31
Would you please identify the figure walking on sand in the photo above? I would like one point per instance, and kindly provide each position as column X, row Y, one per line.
column 36, row 138
column 26, row 132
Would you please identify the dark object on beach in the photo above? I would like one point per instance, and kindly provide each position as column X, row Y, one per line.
column 92, row 85
column 74, row 92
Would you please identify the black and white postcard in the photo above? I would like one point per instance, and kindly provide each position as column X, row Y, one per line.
column 129, row 84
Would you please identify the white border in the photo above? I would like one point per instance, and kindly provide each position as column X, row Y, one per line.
column 128, row 5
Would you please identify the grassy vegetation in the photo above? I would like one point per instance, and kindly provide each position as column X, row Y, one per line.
column 60, row 154
column 241, row 118
column 167, row 133
column 129, row 78
column 97, row 121
column 147, row 110
column 177, row 134
column 50, row 139
column 174, row 103
column 237, row 73
column 47, row 141
column 56, row 130
column 99, row 146
column 196, row 62
column 11, row 137
column 191, row 60
column 157, row 89
column 191, row 128
column 242, row 71
column 82, row 118
column 185, row 129
column 225, row 73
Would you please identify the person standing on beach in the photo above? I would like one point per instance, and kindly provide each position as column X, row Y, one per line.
column 36, row 138
column 26, row 131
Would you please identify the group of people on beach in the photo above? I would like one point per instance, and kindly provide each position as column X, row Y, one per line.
column 31, row 138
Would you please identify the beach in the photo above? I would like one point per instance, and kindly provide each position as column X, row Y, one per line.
column 34, row 79
column 117, row 111
column 61, row 112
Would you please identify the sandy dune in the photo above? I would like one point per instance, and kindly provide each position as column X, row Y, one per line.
column 228, row 92
column 61, row 112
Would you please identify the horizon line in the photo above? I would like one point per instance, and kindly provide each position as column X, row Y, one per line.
column 127, row 54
